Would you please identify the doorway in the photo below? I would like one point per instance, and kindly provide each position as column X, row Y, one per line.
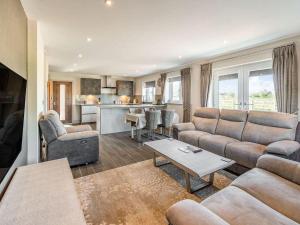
column 61, row 99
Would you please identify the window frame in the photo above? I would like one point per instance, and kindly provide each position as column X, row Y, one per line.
column 243, row 72
column 171, row 90
column 144, row 92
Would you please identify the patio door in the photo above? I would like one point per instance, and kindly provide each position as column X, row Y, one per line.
column 248, row 87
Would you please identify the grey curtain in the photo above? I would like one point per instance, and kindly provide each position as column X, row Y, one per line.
column 186, row 93
column 163, row 78
column 205, row 81
column 285, row 78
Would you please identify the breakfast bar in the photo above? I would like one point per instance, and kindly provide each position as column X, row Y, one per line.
column 111, row 118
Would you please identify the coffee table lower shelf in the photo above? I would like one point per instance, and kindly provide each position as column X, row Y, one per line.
column 187, row 176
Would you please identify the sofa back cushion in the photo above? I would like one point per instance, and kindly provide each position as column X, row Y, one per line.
column 232, row 123
column 267, row 127
column 206, row 119
column 53, row 117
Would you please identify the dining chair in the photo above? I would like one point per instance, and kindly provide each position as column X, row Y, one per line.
column 152, row 121
column 167, row 117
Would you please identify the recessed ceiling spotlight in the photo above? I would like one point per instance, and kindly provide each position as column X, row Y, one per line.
column 154, row 65
column 179, row 57
column 88, row 39
column 71, row 70
column 225, row 42
column 108, row 2
column 75, row 64
column 137, row 71
column 80, row 56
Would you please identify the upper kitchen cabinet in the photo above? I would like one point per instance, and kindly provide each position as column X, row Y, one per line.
column 90, row 86
column 124, row 87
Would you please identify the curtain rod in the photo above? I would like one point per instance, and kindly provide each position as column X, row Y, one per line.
column 224, row 59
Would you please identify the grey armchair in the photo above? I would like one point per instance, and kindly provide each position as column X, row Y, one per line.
column 79, row 144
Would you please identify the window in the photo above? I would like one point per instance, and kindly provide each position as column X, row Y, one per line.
column 248, row 87
column 149, row 91
column 173, row 93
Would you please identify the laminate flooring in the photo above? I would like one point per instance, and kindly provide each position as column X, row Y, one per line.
column 116, row 150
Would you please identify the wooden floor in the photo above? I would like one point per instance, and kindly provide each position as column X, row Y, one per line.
column 115, row 150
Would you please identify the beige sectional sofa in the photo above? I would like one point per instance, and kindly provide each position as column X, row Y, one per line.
column 241, row 135
column 266, row 195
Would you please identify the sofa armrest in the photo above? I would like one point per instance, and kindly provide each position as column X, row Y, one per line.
column 285, row 168
column 188, row 212
column 182, row 127
column 284, row 148
column 78, row 135
column 78, row 128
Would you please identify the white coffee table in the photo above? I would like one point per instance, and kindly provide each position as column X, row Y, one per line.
column 193, row 164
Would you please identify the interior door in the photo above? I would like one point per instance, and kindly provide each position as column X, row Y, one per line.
column 228, row 90
column 62, row 100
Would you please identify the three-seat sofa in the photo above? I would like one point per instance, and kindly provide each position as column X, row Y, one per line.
column 241, row 135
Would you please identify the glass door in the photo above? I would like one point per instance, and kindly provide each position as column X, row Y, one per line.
column 248, row 87
column 259, row 87
column 228, row 89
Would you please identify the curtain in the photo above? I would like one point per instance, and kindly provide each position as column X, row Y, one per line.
column 285, row 78
column 186, row 93
column 205, row 80
column 163, row 78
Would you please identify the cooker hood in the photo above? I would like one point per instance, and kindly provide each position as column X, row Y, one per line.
column 108, row 83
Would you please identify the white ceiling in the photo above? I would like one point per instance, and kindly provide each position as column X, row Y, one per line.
column 137, row 37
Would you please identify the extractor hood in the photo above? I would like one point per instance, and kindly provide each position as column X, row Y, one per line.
column 108, row 83
column 109, row 86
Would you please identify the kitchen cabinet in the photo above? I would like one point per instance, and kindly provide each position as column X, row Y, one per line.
column 88, row 113
column 124, row 87
column 90, row 86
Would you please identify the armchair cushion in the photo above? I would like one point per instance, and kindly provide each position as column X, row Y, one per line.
column 188, row 212
column 78, row 135
column 285, row 147
column 285, row 168
column 78, row 128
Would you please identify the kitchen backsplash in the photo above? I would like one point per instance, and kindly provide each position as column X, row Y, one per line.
column 105, row 99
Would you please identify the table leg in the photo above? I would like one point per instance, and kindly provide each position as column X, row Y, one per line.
column 191, row 189
column 132, row 133
column 154, row 159
column 188, row 182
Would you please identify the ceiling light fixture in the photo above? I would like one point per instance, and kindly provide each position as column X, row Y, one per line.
column 108, row 2
column 88, row 39
column 80, row 56
column 75, row 64
column 225, row 42
column 179, row 57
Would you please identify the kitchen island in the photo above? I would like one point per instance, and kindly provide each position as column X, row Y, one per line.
column 111, row 118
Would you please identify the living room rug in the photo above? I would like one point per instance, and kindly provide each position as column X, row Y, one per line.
column 138, row 193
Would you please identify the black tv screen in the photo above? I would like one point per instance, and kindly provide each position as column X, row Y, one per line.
column 12, row 104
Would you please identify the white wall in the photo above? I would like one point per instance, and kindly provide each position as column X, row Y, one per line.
column 75, row 79
column 13, row 53
column 36, row 89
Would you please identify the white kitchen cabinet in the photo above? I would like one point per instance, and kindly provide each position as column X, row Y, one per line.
column 88, row 113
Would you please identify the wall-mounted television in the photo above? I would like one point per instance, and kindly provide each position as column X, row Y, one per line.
column 12, row 105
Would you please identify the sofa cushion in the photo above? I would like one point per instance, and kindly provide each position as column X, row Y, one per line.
column 272, row 190
column 236, row 207
column 215, row 143
column 206, row 119
column 267, row 127
column 284, row 148
column 53, row 117
column 231, row 123
column 191, row 136
column 245, row 153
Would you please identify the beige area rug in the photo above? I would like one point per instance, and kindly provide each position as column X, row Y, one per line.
column 137, row 194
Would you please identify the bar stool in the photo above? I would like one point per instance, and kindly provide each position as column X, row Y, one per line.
column 152, row 120
column 167, row 117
